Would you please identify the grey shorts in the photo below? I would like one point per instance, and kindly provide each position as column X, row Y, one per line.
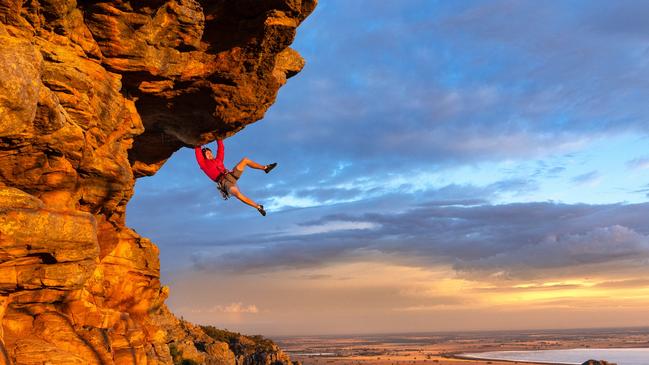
column 229, row 180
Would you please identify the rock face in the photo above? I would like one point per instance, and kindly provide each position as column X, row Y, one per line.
column 94, row 94
column 249, row 350
column 596, row 362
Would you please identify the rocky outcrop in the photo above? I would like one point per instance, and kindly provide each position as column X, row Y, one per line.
column 596, row 362
column 250, row 350
column 188, row 344
column 191, row 344
column 94, row 94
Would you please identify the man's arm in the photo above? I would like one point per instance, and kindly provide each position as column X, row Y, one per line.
column 199, row 156
column 220, row 150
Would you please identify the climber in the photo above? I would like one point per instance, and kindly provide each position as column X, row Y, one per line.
column 227, row 180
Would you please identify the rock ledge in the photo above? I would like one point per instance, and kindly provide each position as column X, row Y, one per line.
column 94, row 94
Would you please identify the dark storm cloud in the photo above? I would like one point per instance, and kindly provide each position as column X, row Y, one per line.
column 509, row 241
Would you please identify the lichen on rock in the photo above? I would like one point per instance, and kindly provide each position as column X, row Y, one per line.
column 94, row 94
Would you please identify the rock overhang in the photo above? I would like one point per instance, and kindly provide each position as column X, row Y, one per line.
column 95, row 94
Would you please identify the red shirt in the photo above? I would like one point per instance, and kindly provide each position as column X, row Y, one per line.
column 214, row 167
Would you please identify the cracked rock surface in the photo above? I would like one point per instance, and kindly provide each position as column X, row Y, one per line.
column 94, row 94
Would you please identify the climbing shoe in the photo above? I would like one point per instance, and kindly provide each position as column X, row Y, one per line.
column 270, row 167
column 261, row 210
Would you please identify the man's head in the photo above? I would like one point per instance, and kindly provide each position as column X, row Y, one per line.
column 207, row 153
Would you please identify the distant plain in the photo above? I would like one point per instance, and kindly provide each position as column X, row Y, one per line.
column 446, row 348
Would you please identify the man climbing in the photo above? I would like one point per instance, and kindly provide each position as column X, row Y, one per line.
column 227, row 180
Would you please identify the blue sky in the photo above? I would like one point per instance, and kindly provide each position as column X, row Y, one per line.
column 501, row 143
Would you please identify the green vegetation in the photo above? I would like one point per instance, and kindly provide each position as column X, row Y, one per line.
column 239, row 344
column 262, row 344
column 221, row 335
column 175, row 355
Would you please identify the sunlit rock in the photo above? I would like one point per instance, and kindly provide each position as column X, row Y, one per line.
column 94, row 94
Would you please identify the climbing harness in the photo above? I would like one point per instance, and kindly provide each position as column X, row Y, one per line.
column 220, row 183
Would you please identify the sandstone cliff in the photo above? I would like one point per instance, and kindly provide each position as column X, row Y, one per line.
column 94, row 94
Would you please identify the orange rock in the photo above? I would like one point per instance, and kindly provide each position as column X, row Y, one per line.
column 93, row 95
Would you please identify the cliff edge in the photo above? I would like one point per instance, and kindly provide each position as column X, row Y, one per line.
column 94, row 94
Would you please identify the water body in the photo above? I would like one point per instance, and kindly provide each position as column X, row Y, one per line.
column 571, row 356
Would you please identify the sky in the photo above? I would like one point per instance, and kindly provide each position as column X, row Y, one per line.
column 442, row 166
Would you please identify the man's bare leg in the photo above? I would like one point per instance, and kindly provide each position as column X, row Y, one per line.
column 239, row 195
column 250, row 163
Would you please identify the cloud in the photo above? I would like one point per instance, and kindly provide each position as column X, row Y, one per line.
column 526, row 287
column 386, row 109
column 420, row 140
column 537, row 86
column 435, row 303
column 316, row 276
column 624, row 284
column 490, row 242
column 448, row 86
column 613, row 244
column 237, row 307
column 643, row 190
column 638, row 164
column 589, row 178
column 624, row 19
column 331, row 226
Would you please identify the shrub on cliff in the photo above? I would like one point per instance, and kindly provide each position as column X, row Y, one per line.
column 239, row 344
